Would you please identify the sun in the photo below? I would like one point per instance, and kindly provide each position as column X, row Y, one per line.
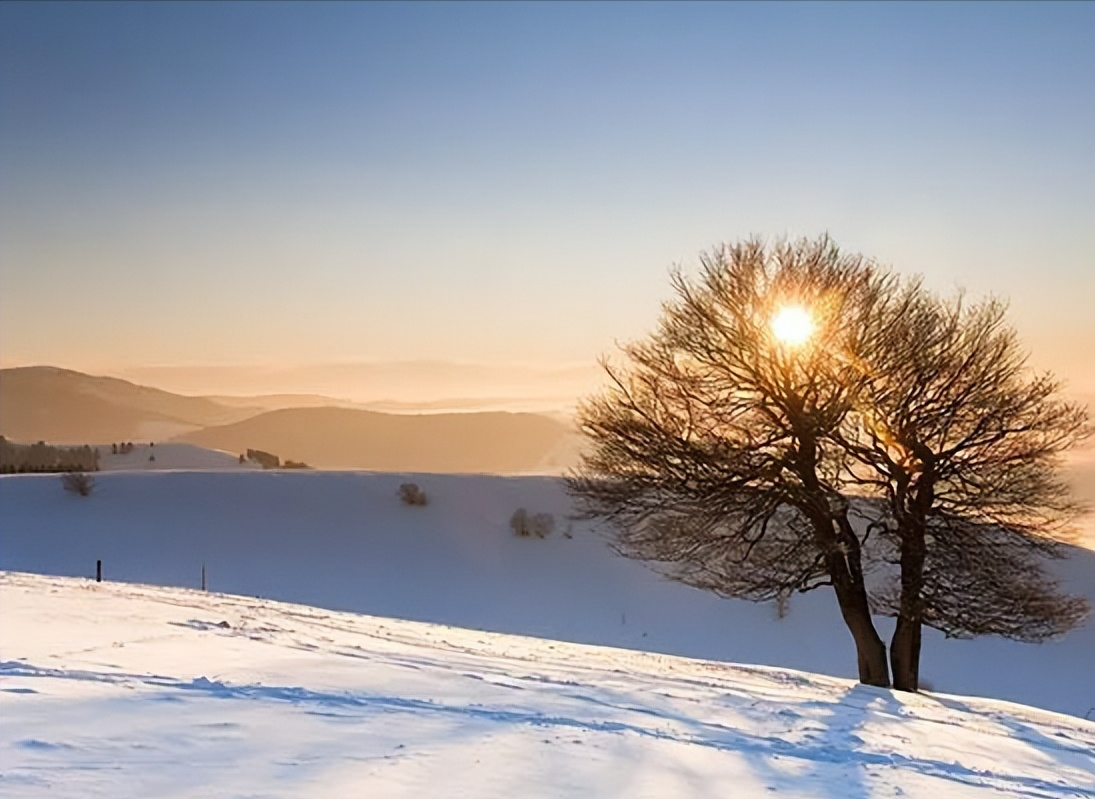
column 792, row 325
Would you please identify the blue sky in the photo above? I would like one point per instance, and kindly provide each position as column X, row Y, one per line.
column 260, row 182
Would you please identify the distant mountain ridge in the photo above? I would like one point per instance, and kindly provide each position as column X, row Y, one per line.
column 491, row 442
column 64, row 406
column 372, row 382
column 277, row 402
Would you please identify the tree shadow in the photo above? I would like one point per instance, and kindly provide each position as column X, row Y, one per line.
column 1073, row 749
column 826, row 743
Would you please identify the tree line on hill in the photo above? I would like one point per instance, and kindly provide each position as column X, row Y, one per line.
column 43, row 458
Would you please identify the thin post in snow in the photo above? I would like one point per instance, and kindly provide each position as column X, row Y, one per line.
column 98, row 571
column 203, row 576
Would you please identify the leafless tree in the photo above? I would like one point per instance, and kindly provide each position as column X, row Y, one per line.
column 963, row 444
column 738, row 463
column 711, row 452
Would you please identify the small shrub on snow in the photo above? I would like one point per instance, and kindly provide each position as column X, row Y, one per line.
column 411, row 494
column 527, row 525
column 78, row 483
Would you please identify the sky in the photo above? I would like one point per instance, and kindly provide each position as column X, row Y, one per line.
column 190, row 185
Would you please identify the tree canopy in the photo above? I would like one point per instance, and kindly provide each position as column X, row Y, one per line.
column 795, row 400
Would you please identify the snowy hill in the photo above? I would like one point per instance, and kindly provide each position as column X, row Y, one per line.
column 343, row 540
column 115, row 690
column 169, row 456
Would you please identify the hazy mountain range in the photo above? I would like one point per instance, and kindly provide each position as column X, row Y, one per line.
column 62, row 406
column 390, row 385
column 349, row 438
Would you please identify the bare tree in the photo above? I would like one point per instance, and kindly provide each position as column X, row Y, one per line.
column 712, row 455
column 963, row 443
column 737, row 461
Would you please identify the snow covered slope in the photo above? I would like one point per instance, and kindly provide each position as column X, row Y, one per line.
column 115, row 690
column 168, row 456
column 343, row 540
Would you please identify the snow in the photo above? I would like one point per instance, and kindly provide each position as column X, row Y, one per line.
column 344, row 541
column 149, row 456
column 114, row 689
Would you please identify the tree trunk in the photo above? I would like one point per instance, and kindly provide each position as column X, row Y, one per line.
column 870, row 650
column 905, row 654
column 905, row 644
column 839, row 544
column 844, row 563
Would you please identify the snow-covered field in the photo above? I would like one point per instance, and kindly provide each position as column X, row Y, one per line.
column 127, row 690
column 344, row 541
column 118, row 690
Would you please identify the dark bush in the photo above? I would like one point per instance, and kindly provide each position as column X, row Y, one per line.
column 265, row 459
column 78, row 483
column 411, row 494
column 525, row 525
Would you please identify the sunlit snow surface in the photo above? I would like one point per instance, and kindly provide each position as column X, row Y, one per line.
column 119, row 690
column 344, row 541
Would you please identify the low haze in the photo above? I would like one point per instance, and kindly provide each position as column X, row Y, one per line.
column 280, row 187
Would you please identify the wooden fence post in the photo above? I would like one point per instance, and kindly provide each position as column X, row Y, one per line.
column 98, row 571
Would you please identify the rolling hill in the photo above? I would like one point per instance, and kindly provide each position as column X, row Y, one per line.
column 62, row 406
column 494, row 442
